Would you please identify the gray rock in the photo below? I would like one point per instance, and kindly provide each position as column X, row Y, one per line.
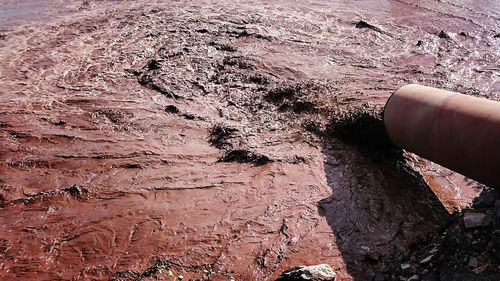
column 407, row 268
column 379, row 277
column 415, row 277
column 372, row 257
column 431, row 276
column 427, row 259
column 473, row 262
column 486, row 198
column 476, row 219
column 320, row 272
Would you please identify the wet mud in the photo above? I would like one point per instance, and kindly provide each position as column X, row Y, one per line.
column 219, row 140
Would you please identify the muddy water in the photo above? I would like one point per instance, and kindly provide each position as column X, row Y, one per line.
column 30, row 12
column 110, row 167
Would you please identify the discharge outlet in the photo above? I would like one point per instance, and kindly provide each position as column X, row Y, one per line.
column 457, row 131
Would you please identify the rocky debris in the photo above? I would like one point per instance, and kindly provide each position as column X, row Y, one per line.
column 473, row 219
column 407, row 268
column 427, row 259
column 373, row 257
column 321, row 272
column 415, row 277
column 466, row 248
column 473, row 262
column 487, row 198
column 379, row 276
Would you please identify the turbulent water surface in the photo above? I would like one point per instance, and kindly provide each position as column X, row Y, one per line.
column 196, row 135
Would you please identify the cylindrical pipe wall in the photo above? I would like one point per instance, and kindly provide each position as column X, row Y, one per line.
column 457, row 131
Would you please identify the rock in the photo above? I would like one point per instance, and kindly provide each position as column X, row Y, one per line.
column 481, row 268
column 415, row 277
column 473, row 262
column 431, row 276
column 466, row 260
column 487, row 198
column 379, row 277
column 407, row 268
column 372, row 257
column 321, row 272
column 476, row 219
column 427, row 259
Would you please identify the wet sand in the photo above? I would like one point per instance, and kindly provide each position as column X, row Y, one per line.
column 196, row 135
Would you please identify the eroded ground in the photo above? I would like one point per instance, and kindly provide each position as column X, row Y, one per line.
column 203, row 137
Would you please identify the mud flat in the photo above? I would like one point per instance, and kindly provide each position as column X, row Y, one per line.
column 216, row 140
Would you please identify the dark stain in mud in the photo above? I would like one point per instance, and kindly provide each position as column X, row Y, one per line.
column 362, row 126
column 171, row 109
column 364, row 24
column 220, row 135
column 444, row 35
column 244, row 156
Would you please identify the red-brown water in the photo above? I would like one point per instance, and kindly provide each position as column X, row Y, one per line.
column 98, row 181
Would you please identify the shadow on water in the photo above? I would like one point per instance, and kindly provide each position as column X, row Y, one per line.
column 379, row 205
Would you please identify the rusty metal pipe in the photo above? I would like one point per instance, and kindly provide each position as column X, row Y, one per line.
column 457, row 131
